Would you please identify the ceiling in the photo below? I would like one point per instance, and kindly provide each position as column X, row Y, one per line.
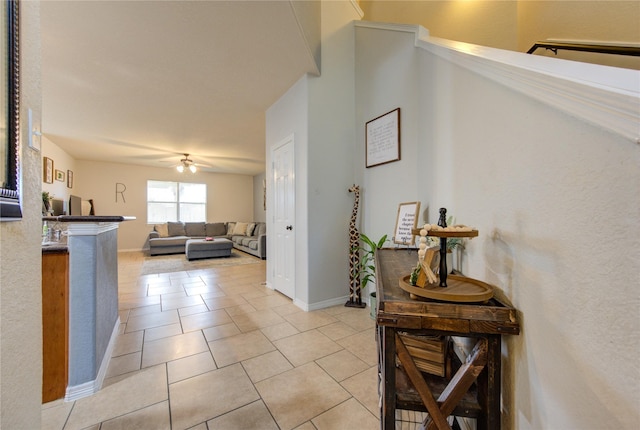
column 145, row 82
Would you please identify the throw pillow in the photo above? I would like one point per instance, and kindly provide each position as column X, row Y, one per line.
column 240, row 229
column 250, row 227
column 176, row 229
column 215, row 229
column 230, row 227
column 162, row 229
column 194, row 229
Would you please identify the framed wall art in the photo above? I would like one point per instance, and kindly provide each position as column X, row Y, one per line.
column 47, row 173
column 382, row 136
column 10, row 131
column 69, row 179
column 59, row 175
column 406, row 220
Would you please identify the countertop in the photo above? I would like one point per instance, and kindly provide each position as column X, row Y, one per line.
column 88, row 218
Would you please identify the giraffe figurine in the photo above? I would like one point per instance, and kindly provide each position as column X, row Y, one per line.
column 355, row 297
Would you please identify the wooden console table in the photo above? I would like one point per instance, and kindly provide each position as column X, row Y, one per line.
column 474, row 390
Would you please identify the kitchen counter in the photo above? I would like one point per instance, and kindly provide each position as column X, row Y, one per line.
column 92, row 246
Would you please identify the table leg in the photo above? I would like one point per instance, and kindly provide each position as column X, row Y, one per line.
column 489, row 386
column 388, row 419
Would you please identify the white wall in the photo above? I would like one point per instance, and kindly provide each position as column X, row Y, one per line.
column 289, row 116
column 386, row 67
column 21, row 257
column 330, row 158
column 556, row 202
column 229, row 197
column 319, row 112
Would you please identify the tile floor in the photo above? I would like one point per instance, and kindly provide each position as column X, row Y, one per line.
column 216, row 349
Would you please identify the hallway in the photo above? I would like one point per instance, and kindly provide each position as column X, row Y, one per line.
column 216, row 349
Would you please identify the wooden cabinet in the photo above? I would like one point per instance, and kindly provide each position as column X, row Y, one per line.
column 55, row 323
column 471, row 388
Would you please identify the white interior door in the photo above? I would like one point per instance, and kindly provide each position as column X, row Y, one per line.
column 284, row 218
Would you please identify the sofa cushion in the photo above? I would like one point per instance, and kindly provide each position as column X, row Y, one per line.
column 250, row 228
column 246, row 241
column 237, row 239
column 261, row 228
column 253, row 245
column 176, row 229
column 230, row 227
column 162, row 229
column 194, row 229
column 215, row 229
column 240, row 229
column 168, row 241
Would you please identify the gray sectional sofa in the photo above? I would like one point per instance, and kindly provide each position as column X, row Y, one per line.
column 171, row 237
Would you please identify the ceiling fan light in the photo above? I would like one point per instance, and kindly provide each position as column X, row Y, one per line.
column 180, row 168
column 193, row 168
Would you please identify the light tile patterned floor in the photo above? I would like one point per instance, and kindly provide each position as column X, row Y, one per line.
column 216, row 349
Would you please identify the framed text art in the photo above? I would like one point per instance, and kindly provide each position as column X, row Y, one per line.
column 382, row 136
column 69, row 179
column 406, row 220
column 47, row 173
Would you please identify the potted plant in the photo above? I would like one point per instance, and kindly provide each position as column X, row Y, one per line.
column 46, row 202
column 366, row 266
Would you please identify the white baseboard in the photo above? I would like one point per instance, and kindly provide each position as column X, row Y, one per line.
column 133, row 250
column 302, row 305
column 320, row 305
column 89, row 388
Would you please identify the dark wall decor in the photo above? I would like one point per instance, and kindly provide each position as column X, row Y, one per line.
column 9, row 155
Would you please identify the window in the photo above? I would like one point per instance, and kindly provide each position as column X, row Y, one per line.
column 176, row 201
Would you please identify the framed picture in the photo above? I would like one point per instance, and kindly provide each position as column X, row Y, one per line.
column 69, row 179
column 59, row 175
column 47, row 174
column 406, row 221
column 382, row 136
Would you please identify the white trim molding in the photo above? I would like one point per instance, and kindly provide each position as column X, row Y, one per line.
column 90, row 228
column 608, row 97
column 89, row 388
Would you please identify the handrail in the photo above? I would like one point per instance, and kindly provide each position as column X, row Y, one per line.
column 587, row 47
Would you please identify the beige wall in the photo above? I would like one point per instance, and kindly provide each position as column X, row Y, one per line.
column 229, row 197
column 517, row 25
column 489, row 23
column 61, row 161
column 20, row 258
column 615, row 21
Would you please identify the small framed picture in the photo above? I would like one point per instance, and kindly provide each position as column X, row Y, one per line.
column 406, row 220
column 59, row 175
column 69, row 179
column 47, row 173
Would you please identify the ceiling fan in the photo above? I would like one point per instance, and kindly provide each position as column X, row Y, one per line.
column 186, row 164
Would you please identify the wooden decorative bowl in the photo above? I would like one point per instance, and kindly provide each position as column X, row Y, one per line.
column 459, row 289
